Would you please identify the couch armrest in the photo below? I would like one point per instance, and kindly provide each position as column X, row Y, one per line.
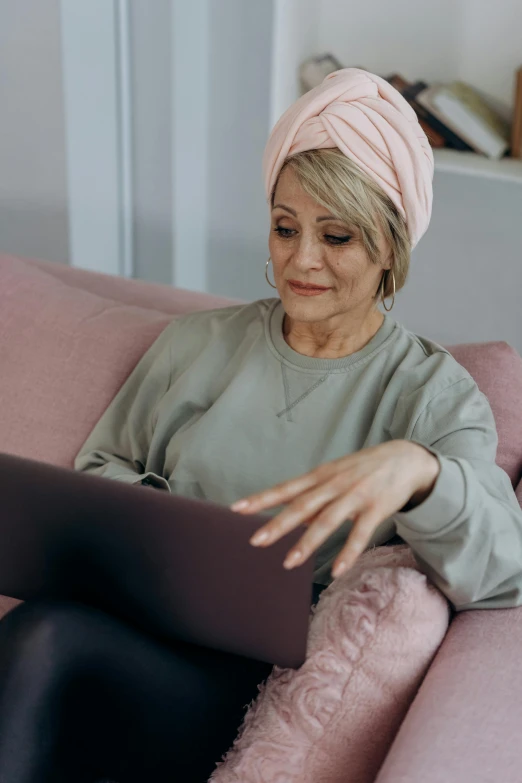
column 464, row 724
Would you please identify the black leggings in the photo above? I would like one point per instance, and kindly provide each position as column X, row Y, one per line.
column 85, row 697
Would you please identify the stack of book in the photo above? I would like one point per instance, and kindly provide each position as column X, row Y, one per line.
column 452, row 115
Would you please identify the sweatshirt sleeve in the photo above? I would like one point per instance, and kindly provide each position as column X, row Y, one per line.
column 118, row 446
column 467, row 534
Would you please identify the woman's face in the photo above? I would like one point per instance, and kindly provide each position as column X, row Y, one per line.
column 308, row 245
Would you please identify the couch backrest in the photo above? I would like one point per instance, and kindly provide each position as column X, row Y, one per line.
column 497, row 370
column 70, row 338
column 155, row 296
column 64, row 353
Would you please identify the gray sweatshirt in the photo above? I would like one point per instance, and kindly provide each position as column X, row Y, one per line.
column 220, row 407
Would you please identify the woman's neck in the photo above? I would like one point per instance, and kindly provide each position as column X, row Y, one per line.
column 323, row 341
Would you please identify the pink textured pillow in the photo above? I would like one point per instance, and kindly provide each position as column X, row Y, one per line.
column 497, row 370
column 64, row 353
column 372, row 637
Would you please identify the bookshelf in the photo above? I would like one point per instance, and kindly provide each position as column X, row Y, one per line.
column 472, row 164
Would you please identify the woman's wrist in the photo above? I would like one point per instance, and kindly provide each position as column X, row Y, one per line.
column 429, row 469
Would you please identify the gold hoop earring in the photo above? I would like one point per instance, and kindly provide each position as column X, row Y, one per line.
column 382, row 291
column 266, row 273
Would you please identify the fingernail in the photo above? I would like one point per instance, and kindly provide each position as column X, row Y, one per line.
column 339, row 569
column 239, row 504
column 259, row 538
column 292, row 559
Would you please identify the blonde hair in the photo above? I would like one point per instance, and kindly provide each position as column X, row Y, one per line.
column 338, row 184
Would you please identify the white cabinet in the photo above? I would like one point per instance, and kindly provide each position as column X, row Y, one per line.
column 465, row 283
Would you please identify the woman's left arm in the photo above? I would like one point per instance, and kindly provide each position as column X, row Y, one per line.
column 467, row 534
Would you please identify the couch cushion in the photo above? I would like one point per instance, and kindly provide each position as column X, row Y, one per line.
column 497, row 370
column 64, row 353
column 372, row 637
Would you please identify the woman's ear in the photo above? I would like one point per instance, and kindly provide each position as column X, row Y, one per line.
column 389, row 262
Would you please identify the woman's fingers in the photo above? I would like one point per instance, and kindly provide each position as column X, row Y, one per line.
column 321, row 528
column 301, row 511
column 280, row 493
column 360, row 535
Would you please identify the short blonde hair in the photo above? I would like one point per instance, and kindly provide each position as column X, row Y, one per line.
column 338, row 184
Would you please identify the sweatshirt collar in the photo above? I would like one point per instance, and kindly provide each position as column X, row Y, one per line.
column 278, row 344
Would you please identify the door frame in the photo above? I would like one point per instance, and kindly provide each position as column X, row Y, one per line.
column 98, row 125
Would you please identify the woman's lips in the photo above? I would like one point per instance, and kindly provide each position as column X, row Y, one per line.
column 307, row 291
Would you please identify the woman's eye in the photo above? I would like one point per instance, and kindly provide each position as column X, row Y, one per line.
column 337, row 240
column 283, row 232
column 287, row 233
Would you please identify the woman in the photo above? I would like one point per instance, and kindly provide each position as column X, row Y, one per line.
column 313, row 406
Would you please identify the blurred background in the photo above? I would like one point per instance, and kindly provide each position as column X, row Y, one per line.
column 132, row 135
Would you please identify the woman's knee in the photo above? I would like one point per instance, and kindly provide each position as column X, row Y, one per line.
column 44, row 635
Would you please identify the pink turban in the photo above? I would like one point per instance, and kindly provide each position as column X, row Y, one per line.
column 371, row 123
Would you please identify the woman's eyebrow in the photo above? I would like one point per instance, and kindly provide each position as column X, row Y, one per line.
column 288, row 209
column 294, row 213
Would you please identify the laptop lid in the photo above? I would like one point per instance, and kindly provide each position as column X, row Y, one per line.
column 177, row 567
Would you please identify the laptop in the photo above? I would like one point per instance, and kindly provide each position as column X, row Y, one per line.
column 176, row 567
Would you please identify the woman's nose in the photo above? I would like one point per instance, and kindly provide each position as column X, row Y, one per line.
column 308, row 256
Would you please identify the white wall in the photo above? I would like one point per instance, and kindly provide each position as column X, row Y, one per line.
column 201, row 110
column 294, row 38
column 33, row 190
column 150, row 48
column 474, row 40
column 419, row 40
column 239, row 119
column 490, row 48
column 466, row 275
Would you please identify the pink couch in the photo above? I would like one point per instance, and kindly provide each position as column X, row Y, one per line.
column 68, row 340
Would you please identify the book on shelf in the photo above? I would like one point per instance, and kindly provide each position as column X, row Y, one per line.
column 436, row 129
column 437, row 133
column 460, row 107
column 315, row 69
